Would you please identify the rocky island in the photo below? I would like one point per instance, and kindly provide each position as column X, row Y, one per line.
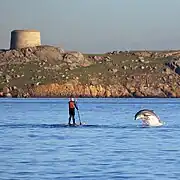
column 48, row 71
column 29, row 69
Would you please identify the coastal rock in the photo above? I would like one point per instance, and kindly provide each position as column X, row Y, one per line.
column 8, row 95
column 49, row 53
column 175, row 66
column 76, row 59
column 151, row 92
column 168, row 71
column 87, row 92
column 143, row 54
column 113, row 70
column 93, row 90
column 1, row 94
column 141, row 59
column 79, row 90
column 7, row 78
column 6, row 90
column 138, row 94
column 100, row 91
column 118, row 91
column 108, row 93
column 57, row 73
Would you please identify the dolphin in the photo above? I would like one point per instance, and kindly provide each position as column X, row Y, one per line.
column 148, row 117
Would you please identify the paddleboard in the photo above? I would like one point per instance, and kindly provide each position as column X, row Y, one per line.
column 74, row 125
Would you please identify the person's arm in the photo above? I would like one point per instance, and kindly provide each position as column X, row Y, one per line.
column 76, row 106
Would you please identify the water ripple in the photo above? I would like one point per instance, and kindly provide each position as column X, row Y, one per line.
column 36, row 144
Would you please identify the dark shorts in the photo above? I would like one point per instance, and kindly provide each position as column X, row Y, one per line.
column 72, row 112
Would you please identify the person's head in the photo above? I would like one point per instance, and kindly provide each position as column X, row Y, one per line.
column 71, row 99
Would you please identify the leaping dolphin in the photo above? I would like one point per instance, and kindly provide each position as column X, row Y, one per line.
column 148, row 117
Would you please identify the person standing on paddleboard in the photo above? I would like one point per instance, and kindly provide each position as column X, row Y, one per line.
column 72, row 106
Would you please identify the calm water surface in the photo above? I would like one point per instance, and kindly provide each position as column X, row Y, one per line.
column 36, row 144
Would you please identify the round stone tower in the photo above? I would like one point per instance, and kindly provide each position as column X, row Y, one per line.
column 25, row 38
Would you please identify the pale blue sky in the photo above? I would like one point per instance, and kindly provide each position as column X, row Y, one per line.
column 95, row 25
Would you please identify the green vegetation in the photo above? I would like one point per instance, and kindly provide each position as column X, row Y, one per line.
column 118, row 67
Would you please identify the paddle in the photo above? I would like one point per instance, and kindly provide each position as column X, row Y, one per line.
column 79, row 117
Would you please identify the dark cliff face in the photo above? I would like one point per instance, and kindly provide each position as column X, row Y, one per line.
column 50, row 71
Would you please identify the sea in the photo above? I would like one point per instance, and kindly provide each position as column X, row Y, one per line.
column 36, row 143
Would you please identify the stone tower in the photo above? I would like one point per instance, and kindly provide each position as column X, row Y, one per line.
column 25, row 38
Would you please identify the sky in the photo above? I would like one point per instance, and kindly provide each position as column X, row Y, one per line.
column 95, row 26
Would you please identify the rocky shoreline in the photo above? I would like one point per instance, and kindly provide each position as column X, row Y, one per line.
column 47, row 71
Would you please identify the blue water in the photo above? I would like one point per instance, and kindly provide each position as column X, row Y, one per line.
column 36, row 144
